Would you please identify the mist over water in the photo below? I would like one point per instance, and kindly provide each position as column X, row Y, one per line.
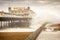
column 46, row 13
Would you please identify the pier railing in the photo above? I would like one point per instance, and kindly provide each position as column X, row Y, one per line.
column 34, row 35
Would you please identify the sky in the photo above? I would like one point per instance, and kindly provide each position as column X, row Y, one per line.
column 4, row 4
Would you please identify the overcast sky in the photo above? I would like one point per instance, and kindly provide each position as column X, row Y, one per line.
column 4, row 4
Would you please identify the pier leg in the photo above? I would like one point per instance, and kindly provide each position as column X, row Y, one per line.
column 1, row 24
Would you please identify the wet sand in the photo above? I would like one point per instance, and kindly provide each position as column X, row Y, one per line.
column 14, row 35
